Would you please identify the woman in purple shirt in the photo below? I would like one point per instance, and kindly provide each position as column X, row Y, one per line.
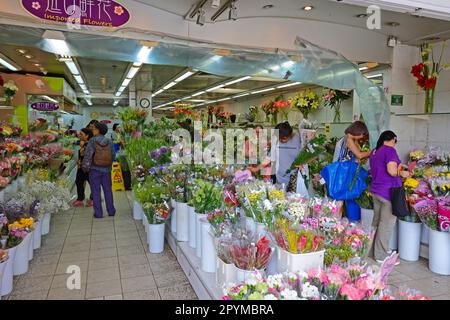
column 387, row 171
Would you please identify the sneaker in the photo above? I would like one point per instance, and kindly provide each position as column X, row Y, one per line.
column 90, row 203
column 78, row 203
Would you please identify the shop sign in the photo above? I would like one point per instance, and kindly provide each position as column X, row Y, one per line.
column 397, row 100
column 45, row 106
column 95, row 13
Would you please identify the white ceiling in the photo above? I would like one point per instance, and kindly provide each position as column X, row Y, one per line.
column 411, row 30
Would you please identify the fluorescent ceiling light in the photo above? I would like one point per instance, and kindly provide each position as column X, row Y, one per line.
column 83, row 86
column 51, row 99
column 197, row 100
column 132, row 72
column 178, row 100
column 288, row 85
column 122, row 88
column 78, row 78
column 170, row 85
column 375, row 76
column 237, row 80
column 198, row 93
column 126, row 82
column 184, row 76
column 118, row 93
column 157, row 92
column 363, row 68
column 224, row 99
column 86, row 92
column 8, row 63
column 242, row 95
column 276, row 68
column 59, row 46
column 264, row 90
column 72, row 66
column 144, row 53
column 215, row 88
column 137, row 64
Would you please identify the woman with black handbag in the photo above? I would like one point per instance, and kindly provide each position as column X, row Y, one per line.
column 387, row 172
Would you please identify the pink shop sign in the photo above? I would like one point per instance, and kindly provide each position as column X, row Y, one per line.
column 94, row 13
column 45, row 106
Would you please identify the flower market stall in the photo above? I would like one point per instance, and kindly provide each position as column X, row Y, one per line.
column 240, row 237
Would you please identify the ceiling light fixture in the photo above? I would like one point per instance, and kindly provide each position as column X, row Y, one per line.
column 288, row 85
column 263, row 90
column 8, row 63
column 307, row 8
column 157, row 92
column 57, row 41
column 375, row 76
column 170, row 85
column 201, row 17
column 177, row 80
column 224, row 99
column 241, row 95
column 132, row 72
column 215, row 88
column 237, row 80
column 198, row 93
column 363, row 68
column 288, row 64
column 229, row 4
column 79, row 79
column 21, row 51
column 29, row 56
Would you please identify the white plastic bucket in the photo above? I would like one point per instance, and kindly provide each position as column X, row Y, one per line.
column 425, row 238
column 198, row 235
column 250, row 224
column 31, row 246
column 137, row 211
column 409, row 240
column 208, row 262
column 244, row 275
column 173, row 220
column 439, row 252
column 225, row 273
column 21, row 259
column 182, row 222
column 45, row 229
column 260, row 229
column 156, row 238
column 192, row 227
column 37, row 234
column 393, row 243
column 7, row 280
column 299, row 262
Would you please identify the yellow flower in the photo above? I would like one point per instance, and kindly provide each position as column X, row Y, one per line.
column 411, row 183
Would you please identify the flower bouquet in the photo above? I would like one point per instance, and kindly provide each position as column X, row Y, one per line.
column 333, row 100
column 206, row 197
column 157, row 213
column 10, row 90
column 305, row 101
column 248, row 255
column 427, row 210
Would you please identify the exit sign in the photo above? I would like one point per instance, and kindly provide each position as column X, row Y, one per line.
column 397, row 100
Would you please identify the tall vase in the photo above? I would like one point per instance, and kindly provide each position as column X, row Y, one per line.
column 429, row 100
column 337, row 113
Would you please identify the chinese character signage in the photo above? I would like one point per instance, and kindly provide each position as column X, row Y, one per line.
column 97, row 13
column 45, row 106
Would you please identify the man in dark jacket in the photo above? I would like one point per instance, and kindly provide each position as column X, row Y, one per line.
column 100, row 173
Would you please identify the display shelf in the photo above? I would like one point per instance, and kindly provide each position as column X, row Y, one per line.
column 6, row 107
column 422, row 116
column 203, row 283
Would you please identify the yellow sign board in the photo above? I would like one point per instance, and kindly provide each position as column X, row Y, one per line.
column 117, row 178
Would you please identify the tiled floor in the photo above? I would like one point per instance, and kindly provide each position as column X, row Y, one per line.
column 115, row 263
column 113, row 258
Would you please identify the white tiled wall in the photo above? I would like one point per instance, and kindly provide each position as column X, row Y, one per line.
column 415, row 133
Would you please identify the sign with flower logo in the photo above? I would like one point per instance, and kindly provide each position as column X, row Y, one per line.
column 45, row 106
column 96, row 13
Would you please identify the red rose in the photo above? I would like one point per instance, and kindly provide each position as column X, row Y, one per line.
column 421, row 81
column 430, row 83
column 417, row 70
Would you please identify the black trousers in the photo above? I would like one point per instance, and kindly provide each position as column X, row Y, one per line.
column 82, row 178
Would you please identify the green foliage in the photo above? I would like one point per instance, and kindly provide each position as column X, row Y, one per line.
column 342, row 253
column 313, row 149
column 206, row 197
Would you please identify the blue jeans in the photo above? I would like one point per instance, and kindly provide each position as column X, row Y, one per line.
column 101, row 180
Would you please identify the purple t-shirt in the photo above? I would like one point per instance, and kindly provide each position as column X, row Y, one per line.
column 382, row 181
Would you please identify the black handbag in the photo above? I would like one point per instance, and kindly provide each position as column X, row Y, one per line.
column 399, row 204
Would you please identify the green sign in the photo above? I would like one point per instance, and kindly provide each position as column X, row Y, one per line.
column 397, row 100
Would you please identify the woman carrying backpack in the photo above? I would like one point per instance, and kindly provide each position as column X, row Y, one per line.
column 98, row 161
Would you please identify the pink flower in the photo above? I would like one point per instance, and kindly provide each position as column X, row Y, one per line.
column 324, row 278
column 351, row 292
column 313, row 273
column 36, row 5
column 367, row 284
column 226, row 298
column 336, row 279
column 339, row 270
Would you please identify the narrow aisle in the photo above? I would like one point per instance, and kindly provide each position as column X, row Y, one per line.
column 112, row 256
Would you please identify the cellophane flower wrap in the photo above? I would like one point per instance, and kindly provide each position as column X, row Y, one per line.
column 427, row 210
column 251, row 254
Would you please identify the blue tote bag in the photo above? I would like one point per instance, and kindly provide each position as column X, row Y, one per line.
column 339, row 176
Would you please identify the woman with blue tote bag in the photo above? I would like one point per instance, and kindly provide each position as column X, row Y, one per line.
column 345, row 178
